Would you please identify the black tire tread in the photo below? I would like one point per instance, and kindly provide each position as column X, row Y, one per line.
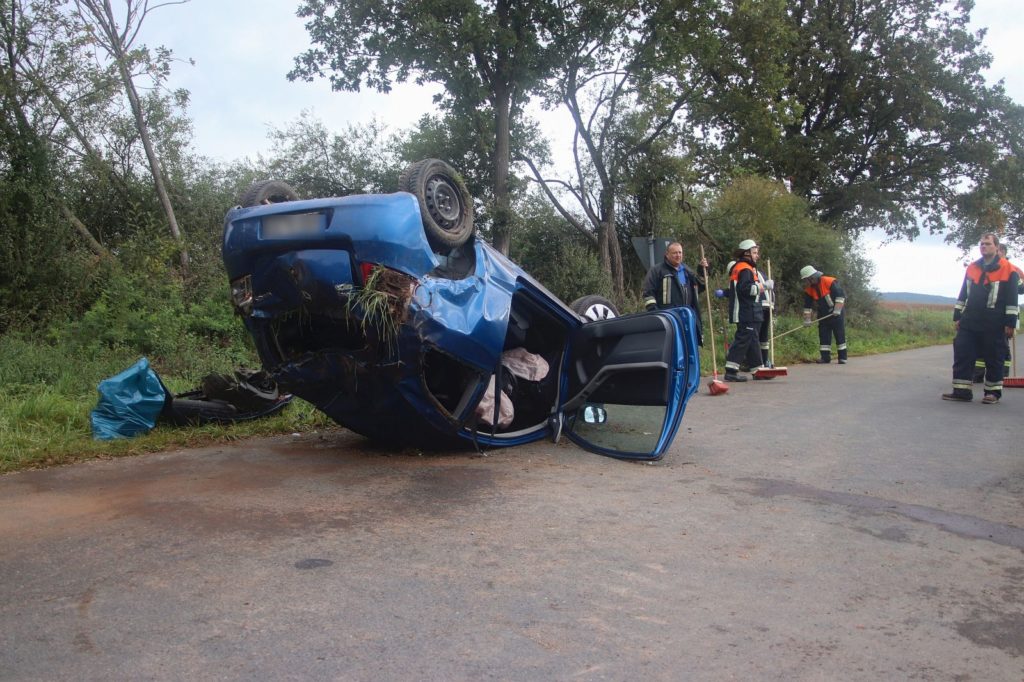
column 268, row 192
column 414, row 179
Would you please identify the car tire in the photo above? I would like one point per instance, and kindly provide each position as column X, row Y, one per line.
column 593, row 307
column 445, row 204
column 268, row 192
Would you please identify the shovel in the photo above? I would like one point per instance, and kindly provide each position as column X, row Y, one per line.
column 715, row 387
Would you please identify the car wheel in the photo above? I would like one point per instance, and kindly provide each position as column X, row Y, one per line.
column 445, row 204
column 268, row 192
column 593, row 307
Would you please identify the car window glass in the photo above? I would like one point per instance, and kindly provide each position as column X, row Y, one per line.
column 624, row 428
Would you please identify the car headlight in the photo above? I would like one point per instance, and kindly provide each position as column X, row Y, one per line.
column 241, row 294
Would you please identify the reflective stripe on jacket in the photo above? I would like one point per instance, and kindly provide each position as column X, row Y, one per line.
column 988, row 295
column 744, row 294
column 826, row 294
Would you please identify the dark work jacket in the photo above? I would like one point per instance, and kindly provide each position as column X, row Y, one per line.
column 662, row 290
column 988, row 296
column 744, row 294
column 824, row 295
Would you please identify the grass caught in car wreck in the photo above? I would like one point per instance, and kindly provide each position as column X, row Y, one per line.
column 384, row 300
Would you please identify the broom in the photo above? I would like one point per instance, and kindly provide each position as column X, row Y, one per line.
column 796, row 329
column 715, row 387
column 773, row 371
column 1014, row 381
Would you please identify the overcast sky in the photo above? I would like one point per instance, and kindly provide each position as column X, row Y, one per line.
column 243, row 49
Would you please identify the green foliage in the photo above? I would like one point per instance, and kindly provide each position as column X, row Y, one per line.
column 562, row 260
column 319, row 163
column 488, row 57
column 884, row 102
column 780, row 222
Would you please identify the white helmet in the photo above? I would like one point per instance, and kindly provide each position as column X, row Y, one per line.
column 808, row 271
column 747, row 244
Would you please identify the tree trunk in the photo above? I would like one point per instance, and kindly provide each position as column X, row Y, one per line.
column 608, row 243
column 154, row 166
column 84, row 233
column 501, row 237
column 116, row 45
column 618, row 274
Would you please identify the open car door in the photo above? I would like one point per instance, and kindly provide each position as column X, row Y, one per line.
column 626, row 381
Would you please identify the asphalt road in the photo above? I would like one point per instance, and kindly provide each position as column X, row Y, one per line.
column 841, row 523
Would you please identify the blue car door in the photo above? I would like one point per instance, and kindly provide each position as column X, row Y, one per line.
column 626, row 380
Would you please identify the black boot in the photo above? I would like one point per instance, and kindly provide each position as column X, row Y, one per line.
column 733, row 375
column 825, row 358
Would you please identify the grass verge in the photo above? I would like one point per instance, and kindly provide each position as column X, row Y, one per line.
column 890, row 328
column 47, row 391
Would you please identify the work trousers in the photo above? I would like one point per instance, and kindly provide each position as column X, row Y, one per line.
column 827, row 328
column 979, row 365
column 968, row 346
column 745, row 348
column 764, row 337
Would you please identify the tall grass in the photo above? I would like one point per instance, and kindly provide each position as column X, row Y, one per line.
column 48, row 389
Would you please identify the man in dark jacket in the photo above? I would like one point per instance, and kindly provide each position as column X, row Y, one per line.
column 671, row 283
column 985, row 315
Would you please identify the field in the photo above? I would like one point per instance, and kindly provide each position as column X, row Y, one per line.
column 905, row 306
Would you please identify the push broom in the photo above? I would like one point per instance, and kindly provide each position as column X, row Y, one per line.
column 802, row 326
column 715, row 387
column 772, row 371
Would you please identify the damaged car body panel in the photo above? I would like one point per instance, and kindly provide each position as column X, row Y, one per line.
column 352, row 309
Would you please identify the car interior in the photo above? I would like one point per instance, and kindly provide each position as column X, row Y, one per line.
column 457, row 388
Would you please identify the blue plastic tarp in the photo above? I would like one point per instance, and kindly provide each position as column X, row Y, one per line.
column 129, row 403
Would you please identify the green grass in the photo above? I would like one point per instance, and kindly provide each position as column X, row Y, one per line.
column 47, row 390
column 884, row 331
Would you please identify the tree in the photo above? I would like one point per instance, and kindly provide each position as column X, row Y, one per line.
column 889, row 118
column 482, row 52
column 552, row 251
column 782, row 224
column 628, row 74
column 321, row 164
column 118, row 41
column 37, row 252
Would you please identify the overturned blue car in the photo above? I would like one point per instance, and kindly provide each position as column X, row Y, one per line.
column 390, row 315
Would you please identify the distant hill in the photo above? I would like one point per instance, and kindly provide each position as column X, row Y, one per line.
column 908, row 297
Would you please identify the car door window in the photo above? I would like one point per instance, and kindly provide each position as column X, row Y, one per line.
column 620, row 428
column 627, row 380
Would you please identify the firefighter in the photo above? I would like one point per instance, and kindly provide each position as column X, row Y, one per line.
column 1007, row 365
column 979, row 364
column 984, row 315
column 824, row 296
column 765, row 332
column 746, row 291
